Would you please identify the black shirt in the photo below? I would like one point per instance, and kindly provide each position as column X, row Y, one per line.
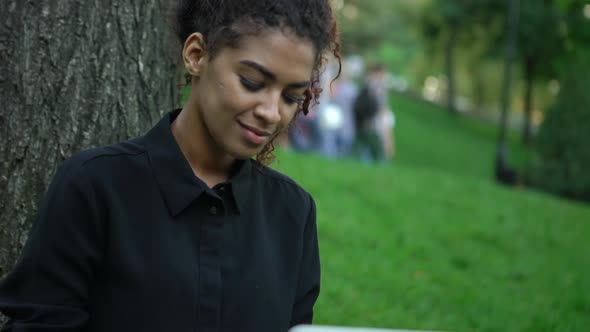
column 129, row 239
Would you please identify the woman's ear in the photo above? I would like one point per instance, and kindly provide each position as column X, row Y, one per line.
column 194, row 53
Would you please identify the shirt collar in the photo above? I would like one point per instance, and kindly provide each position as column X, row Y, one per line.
column 241, row 182
column 178, row 184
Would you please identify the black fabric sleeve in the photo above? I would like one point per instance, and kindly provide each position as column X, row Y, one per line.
column 48, row 288
column 308, row 288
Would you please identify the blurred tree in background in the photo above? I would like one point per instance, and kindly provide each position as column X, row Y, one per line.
column 380, row 31
column 540, row 42
column 458, row 46
column 562, row 156
column 449, row 24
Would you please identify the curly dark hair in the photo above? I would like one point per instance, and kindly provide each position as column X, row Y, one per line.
column 224, row 22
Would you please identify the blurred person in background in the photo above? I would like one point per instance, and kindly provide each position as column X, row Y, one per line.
column 330, row 117
column 330, row 124
column 373, row 118
column 321, row 131
column 344, row 93
column 385, row 124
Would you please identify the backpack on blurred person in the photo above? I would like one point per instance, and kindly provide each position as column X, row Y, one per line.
column 366, row 105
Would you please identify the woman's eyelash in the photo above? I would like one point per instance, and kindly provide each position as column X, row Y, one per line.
column 292, row 99
column 249, row 84
column 253, row 86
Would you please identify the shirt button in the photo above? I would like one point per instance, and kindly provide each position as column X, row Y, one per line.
column 213, row 210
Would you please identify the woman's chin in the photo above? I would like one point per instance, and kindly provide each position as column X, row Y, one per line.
column 246, row 152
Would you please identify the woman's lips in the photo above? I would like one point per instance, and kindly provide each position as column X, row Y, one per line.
column 254, row 135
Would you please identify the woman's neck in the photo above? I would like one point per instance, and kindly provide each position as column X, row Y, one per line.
column 207, row 160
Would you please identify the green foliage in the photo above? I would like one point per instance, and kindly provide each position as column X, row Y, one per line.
column 384, row 32
column 575, row 31
column 367, row 24
column 392, row 56
column 459, row 36
column 562, row 161
column 381, row 31
column 431, row 242
column 542, row 36
column 475, row 20
column 539, row 32
column 548, row 32
column 410, row 37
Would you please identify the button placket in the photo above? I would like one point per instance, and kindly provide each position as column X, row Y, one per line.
column 209, row 282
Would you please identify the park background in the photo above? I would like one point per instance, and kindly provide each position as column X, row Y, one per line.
column 428, row 241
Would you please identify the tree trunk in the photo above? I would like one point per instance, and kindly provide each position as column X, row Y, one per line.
column 479, row 89
column 501, row 162
column 73, row 74
column 450, row 66
column 529, row 74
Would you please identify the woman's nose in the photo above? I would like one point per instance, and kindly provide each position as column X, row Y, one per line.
column 268, row 109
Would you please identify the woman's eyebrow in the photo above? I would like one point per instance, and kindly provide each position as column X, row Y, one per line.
column 260, row 68
column 269, row 75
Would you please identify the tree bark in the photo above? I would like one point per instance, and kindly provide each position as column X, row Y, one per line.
column 529, row 75
column 73, row 74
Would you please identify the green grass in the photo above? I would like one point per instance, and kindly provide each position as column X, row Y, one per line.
column 431, row 242
column 429, row 136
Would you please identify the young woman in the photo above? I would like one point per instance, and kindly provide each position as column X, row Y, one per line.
column 179, row 230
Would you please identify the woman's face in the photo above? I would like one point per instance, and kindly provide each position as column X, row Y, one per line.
column 248, row 94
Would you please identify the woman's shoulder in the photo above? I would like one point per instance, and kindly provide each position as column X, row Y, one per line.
column 279, row 184
column 102, row 159
column 131, row 147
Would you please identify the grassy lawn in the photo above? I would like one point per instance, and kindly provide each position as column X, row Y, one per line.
column 431, row 242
